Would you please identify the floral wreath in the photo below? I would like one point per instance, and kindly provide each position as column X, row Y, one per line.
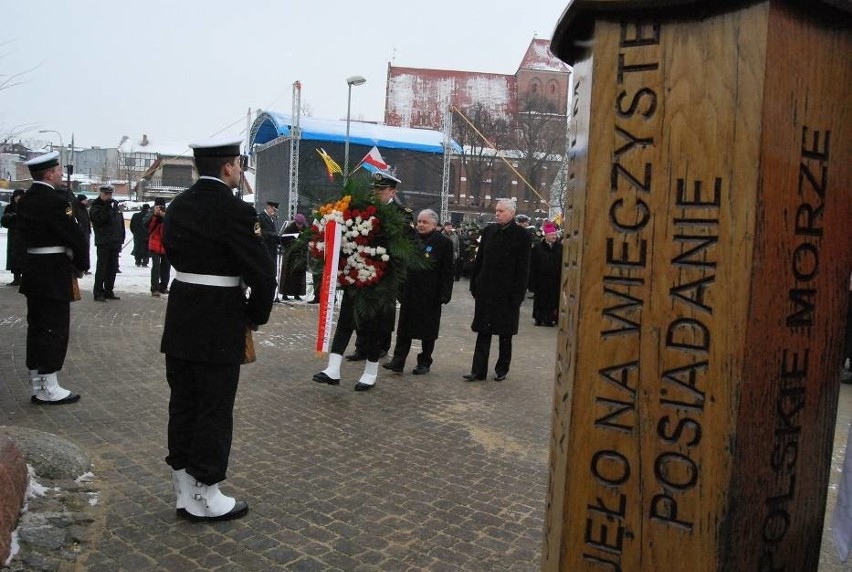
column 362, row 262
column 377, row 246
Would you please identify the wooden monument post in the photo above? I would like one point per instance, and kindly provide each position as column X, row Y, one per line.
column 704, row 284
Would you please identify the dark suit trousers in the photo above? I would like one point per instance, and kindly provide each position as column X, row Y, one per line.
column 160, row 271
column 105, row 270
column 403, row 346
column 483, row 349
column 201, row 417
column 48, row 322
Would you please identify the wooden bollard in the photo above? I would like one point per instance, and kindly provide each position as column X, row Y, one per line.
column 705, row 280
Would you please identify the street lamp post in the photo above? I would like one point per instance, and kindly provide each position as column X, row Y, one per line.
column 350, row 81
column 69, row 167
column 61, row 144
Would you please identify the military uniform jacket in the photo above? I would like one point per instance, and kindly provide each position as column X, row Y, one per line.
column 46, row 218
column 209, row 231
column 425, row 290
column 498, row 279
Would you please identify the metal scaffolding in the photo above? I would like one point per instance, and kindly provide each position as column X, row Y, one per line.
column 295, row 137
column 448, row 151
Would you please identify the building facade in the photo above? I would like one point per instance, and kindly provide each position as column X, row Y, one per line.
column 513, row 128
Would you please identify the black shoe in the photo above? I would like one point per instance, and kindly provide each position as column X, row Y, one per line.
column 164, row 290
column 297, row 298
column 500, row 376
column 72, row 398
column 538, row 322
column 383, row 353
column 363, row 386
column 14, row 283
column 420, row 370
column 846, row 376
column 155, row 294
column 100, row 299
column 472, row 377
column 240, row 510
column 357, row 356
column 321, row 377
column 393, row 367
column 111, row 296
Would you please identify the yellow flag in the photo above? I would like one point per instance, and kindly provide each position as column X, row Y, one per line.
column 557, row 220
column 331, row 166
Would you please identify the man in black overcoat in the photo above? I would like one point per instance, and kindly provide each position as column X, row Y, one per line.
column 214, row 242
column 15, row 251
column 423, row 294
column 292, row 281
column 139, row 230
column 498, row 282
column 268, row 218
column 57, row 254
column 108, row 224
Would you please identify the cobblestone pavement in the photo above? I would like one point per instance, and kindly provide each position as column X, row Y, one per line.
column 422, row 473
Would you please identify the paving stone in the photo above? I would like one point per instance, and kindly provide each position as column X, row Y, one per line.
column 418, row 474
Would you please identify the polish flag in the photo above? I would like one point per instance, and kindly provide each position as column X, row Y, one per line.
column 373, row 161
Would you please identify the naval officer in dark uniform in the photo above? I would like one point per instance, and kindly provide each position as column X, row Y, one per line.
column 374, row 334
column 215, row 244
column 57, row 253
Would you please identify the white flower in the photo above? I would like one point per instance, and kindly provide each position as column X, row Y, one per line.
column 385, row 257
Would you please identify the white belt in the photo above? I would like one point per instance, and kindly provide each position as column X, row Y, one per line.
column 208, row 279
column 47, row 250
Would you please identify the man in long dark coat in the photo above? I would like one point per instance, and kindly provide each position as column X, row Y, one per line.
column 423, row 294
column 15, row 250
column 214, row 242
column 545, row 276
column 57, row 254
column 108, row 223
column 140, row 236
column 293, row 281
column 268, row 218
column 498, row 282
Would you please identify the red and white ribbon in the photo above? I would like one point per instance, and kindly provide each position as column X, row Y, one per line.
column 333, row 237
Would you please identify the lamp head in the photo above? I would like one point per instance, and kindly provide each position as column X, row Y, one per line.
column 356, row 80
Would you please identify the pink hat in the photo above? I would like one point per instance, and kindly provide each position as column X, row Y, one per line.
column 549, row 227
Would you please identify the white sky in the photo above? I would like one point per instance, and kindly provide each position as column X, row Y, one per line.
column 183, row 70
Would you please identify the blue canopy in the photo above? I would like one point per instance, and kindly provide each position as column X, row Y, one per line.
column 270, row 125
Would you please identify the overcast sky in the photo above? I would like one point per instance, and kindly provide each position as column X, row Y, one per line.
column 183, row 70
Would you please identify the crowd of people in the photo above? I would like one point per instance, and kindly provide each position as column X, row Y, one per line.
column 203, row 348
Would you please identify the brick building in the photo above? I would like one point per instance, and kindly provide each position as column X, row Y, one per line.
column 512, row 127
